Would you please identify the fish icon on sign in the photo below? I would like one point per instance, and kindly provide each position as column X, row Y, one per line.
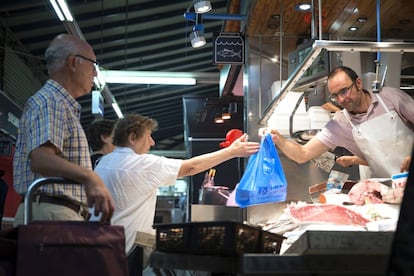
column 227, row 53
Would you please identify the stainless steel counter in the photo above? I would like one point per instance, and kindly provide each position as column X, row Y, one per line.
column 268, row 264
column 315, row 253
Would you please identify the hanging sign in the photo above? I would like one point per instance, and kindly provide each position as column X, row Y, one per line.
column 229, row 48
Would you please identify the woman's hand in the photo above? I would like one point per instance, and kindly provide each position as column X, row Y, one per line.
column 241, row 147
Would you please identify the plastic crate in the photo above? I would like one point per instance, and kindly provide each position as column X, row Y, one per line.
column 173, row 237
column 216, row 238
column 271, row 242
column 224, row 238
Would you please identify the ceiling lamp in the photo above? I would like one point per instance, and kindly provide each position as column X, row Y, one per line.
column 202, row 6
column 117, row 110
column 362, row 19
column 197, row 36
column 303, row 6
column 62, row 10
column 225, row 115
column 218, row 119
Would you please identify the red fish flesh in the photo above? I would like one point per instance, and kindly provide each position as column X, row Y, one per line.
column 324, row 213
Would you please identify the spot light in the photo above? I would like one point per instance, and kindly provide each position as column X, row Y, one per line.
column 362, row 19
column 218, row 119
column 274, row 59
column 197, row 36
column 225, row 115
column 202, row 6
column 303, row 6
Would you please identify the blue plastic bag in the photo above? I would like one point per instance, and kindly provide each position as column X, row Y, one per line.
column 264, row 180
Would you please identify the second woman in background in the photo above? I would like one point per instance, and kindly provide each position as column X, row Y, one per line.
column 100, row 135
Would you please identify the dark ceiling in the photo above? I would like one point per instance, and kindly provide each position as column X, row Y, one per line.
column 143, row 35
column 152, row 35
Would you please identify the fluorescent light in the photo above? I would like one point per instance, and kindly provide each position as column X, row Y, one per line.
column 62, row 10
column 117, row 110
column 153, row 80
column 65, row 10
column 98, row 79
column 364, row 46
column 147, row 77
column 57, row 10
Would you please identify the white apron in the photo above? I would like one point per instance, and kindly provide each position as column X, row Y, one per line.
column 384, row 140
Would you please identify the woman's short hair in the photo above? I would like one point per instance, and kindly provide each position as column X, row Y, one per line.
column 98, row 128
column 132, row 123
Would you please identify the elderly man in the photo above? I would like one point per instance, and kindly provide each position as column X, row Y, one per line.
column 51, row 141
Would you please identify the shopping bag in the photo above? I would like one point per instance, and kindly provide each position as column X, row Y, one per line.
column 68, row 248
column 8, row 252
column 264, row 180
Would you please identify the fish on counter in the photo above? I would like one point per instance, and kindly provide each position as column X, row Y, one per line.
column 370, row 191
column 324, row 213
column 367, row 205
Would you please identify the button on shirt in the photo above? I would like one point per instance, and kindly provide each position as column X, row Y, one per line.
column 51, row 115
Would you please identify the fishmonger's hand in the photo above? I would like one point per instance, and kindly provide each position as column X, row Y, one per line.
column 347, row 161
column 276, row 136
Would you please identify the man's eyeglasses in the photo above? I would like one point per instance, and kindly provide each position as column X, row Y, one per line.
column 342, row 93
column 88, row 59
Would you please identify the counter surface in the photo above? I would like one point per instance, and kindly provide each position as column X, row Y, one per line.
column 327, row 263
column 314, row 253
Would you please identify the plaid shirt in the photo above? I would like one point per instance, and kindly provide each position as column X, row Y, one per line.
column 51, row 115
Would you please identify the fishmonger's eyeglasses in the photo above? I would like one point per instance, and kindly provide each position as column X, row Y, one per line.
column 342, row 93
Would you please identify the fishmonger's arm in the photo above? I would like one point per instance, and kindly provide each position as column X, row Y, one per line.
column 296, row 152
